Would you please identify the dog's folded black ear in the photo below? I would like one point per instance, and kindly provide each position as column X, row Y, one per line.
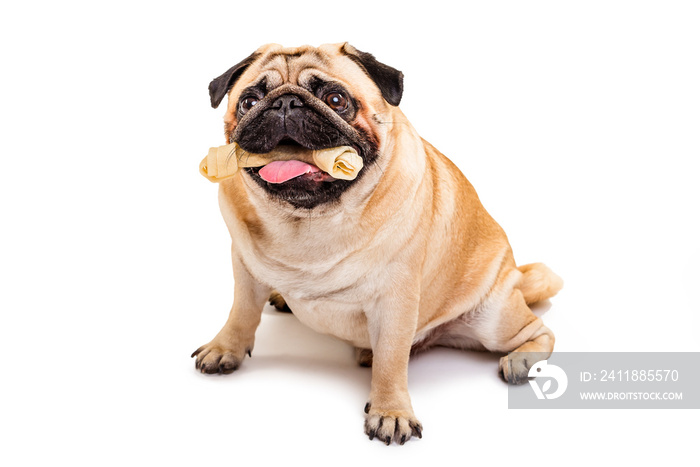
column 219, row 87
column 389, row 80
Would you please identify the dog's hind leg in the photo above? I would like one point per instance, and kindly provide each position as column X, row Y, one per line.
column 504, row 322
column 364, row 357
column 278, row 301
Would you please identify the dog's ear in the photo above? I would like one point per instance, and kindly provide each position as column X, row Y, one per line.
column 389, row 80
column 219, row 87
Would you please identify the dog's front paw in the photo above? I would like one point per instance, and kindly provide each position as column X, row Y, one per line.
column 388, row 425
column 216, row 357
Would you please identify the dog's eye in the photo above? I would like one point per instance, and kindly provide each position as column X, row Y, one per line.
column 336, row 101
column 247, row 104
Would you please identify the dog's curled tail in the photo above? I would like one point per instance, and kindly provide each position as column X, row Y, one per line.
column 538, row 282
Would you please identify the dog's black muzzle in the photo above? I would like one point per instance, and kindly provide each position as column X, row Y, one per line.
column 291, row 114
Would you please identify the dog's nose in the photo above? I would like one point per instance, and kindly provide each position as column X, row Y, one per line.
column 287, row 102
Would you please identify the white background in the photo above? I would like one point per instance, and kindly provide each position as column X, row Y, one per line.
column 578, row 124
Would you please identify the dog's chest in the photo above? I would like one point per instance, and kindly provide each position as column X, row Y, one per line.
column 330, row 298
column 312, row 271
column 328, row 281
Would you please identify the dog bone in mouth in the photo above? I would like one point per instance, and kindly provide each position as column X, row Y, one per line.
column 282, row 164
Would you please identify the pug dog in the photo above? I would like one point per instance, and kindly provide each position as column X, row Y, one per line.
column 400, row 259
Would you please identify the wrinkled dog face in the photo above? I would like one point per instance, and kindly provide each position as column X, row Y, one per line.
column 312, row 97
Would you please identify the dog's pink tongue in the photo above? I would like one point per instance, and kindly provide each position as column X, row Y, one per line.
column 281, row 171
